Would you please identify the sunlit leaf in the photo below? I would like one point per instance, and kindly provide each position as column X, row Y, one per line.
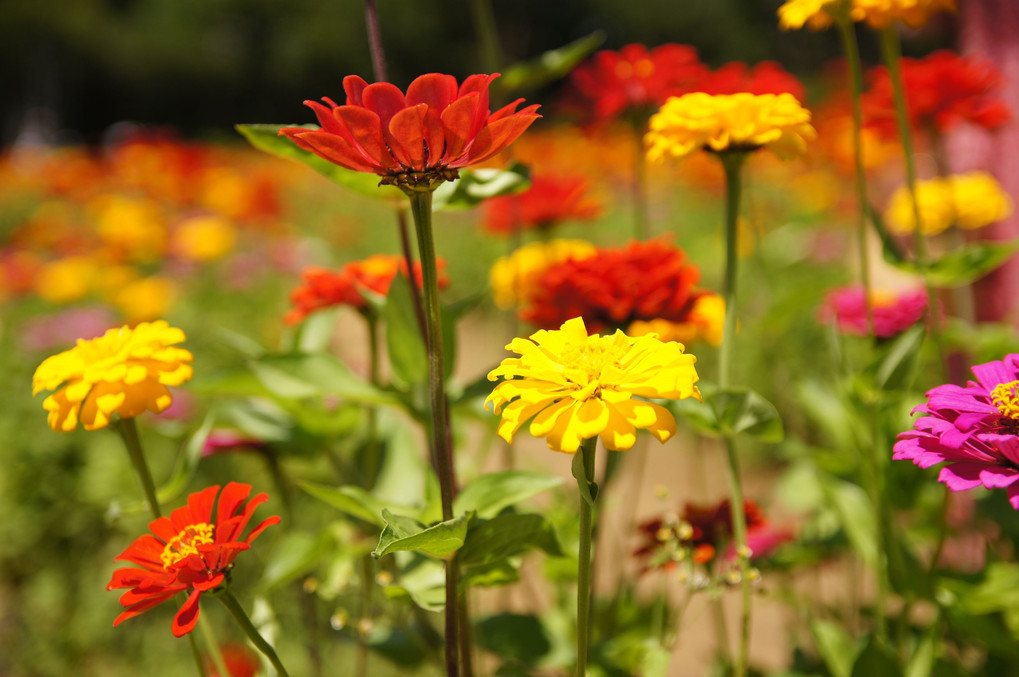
column 404, row 533
column 550, row 66
column 489, row 494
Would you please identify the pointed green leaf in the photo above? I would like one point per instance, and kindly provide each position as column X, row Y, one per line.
column 489, row 494
column 302, row 375
column 895, row 371
column 836, row 647
column 587, row 486
column 406, row 533
column 508, row 535
column 404, row 342
column 354, row 501
column 550, row 66
column 964, row 265
column 477, row 185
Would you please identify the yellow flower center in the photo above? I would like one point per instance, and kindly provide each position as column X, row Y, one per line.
column 1006, row 399
column 186, row 543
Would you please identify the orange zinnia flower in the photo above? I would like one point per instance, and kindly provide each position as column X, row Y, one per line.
column 550, row 200
column 324, row 288
column 427, row 134
column 192, row 551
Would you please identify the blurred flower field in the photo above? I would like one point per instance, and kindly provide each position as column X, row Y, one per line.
column 606, row 366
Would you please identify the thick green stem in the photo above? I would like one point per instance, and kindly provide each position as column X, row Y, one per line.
column 235, row 609
column 732, row 162
column 421, row 209
column 852, row 50
column 466, row 645
column 587, row 449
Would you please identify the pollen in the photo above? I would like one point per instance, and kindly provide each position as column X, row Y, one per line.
column 186, row 543
column 1005, row 397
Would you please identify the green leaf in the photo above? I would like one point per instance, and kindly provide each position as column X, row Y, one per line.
column 921, row 663
column 733, row 411
column 267, row 138
column 550, row 66
column 964, row 265
column 477, row 185
column 890, row 249
column 875, row 661
column 303, row 375
column 424, row 581
column 489, row 494
column 315, row 333
column 354, row 501
column 404, row 533
column 853, row 507
column 508, row 535
column 490, row 574
column 895, row 370
column 587, row 486
column 296, row 554
column 404, row 342
column 187, row 463
column 517, row 638
column 836, row 647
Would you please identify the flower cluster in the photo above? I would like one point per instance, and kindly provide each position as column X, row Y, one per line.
column 191, row 551
column 617, row 287
column 515, row 279
column 942, row 90
column 969, row 201
column 324, row 288
column 573, row 386
column 737, row 122
column 893, row 311
column 973, row 428
column 124, row 372
column 421, row 137
column 550, row 200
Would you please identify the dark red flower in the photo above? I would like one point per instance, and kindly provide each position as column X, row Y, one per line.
column 324, row 288
column 435, row 129
column 634, row 79
column 550, row 200
column 615, row 287
column 767, row 77
column 191, row 551
column 942, row 89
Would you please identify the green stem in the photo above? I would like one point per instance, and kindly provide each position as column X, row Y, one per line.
column 484, row 24
column 128, row 430
column 721, row 631
column 732, row 162
column 235, row 609
column 852, row 50
column 209, row 637
column 421, row 209
column 466, row 645
column 588, row 450
column 893, row 60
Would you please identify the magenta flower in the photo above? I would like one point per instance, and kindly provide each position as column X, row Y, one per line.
column 973, row 428
column 894, row 311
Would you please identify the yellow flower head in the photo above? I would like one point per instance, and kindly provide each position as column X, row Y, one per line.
column 514, row 278
column 795, row 14
column 883, row 13
column 573, row 386
column 729, row 122
column 123, row 372
column 970, row 201
column 704, row 324
column 204, row 238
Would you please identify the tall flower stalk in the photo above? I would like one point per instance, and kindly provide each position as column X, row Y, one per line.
column 584, row 564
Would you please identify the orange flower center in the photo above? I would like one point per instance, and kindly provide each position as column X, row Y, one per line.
column 1006, row 398
column 186, row 543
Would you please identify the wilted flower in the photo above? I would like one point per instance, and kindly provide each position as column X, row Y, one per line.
column 573, row 386
column 740, row 122
column 191, row 551
column 972, row 200
column 893, row 311
column 942, row 89
column 550, row 200
column 123, row 372
column 514, row 278
column 973, row 428
column 324, row 288
column 421, row 138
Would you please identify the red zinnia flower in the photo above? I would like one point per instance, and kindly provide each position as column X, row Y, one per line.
column 550, row 200
column 942, row 89
column 324, row 288
column 427, row 134
column 633, row 79
column 615, row 287
column 192, row 551
column 767, row 77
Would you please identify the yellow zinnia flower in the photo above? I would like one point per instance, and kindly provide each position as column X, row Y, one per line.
column 741, row 122
column 123, row 372
column 815, row 13
column 514, row 278
column 883, row 13
column 969, row 201
column 573, row 386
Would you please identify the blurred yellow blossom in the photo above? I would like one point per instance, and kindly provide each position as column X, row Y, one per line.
column 132, row 226
column 145, row 298
column 204, row 238
column 514, row 278
column 67, row 279
column 819, row 14
column 814, row 13
column 968, row 201
column 123, row 372
column 739, row 122
column 705, row 324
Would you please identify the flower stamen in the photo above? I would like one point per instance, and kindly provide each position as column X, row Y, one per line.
column 1005, row 397
column 186, row 543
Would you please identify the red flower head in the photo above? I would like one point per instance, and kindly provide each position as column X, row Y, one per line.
column 192, row 551
column 421, row 137
column 324, row 288
column 550, row 200
column 614, row 287
column 767, row 77
column 942, row 89
column 633, row 79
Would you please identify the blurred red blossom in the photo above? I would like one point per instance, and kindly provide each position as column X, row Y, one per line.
column 550, row 200
column 894, row 311
column 767, row 77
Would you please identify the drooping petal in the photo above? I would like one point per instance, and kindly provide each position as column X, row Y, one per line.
column 185, row 620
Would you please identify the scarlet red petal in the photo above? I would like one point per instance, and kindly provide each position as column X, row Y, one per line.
column 434, row 89
column 435, row 138
column 185, row 620
column 181, row 518
column 146, row 551
column 201, row 502
column 325, row 117
column 407, row 131
column 385, row 100
column 354, row 85
column 229, row 502
column 275, row 519
column 497, row 136
column 365, row 128
column 337, row 150
column 479, row 84
column 457, row 121
column 163, row 528
column 209, row 583
column 141, row 608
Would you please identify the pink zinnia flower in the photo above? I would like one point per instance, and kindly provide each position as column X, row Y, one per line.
column 894, row 311
column 973, row 428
